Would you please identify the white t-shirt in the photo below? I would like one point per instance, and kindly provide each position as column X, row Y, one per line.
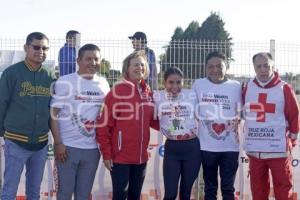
column 218, row 114
column 80, row 101
column 176, row 115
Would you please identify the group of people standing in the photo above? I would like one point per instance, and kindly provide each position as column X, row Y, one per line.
column 202, row 125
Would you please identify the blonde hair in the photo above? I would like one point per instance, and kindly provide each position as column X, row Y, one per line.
column 126, row 63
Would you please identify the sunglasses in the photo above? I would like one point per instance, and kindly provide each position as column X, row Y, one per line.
column 37, row 48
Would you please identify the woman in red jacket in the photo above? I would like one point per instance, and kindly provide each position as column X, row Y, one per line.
column 123, row 130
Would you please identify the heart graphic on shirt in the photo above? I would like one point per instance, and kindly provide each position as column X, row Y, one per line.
column 89, row 125
column 179, row 137
column 218, row 128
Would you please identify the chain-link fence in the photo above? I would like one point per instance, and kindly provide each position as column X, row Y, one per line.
column 188, row 55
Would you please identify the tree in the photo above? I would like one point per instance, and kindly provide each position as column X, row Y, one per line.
column 191, row 30
column 213, row 29
column 188, row 49
column 113, row 77
column 178, row 34
column 104, row 68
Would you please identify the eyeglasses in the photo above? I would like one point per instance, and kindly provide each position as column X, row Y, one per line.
column 37, row 48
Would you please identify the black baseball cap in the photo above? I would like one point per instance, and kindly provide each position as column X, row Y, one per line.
column 139, row 36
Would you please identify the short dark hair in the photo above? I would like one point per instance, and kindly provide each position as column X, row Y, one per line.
column 263, row 54
column 87, row 47
column 173, row 70
column 35, row 36
column 215, row 54
column 71, row 33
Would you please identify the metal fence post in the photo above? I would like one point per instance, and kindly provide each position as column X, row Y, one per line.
column 272, row 48
column 77, row 46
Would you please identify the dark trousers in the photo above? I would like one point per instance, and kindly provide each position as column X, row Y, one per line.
column 127, row 181
column 182, row 161
column 227, row 164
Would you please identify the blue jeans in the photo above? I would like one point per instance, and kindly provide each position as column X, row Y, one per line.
column 15, row 159
column 227, row 164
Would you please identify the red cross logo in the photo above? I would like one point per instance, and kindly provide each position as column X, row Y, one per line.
column 262, row 107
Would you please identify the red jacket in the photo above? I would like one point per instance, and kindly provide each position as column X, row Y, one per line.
column 123, row 130
column 291, row 108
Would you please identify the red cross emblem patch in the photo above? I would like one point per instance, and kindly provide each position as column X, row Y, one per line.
column 262, row 107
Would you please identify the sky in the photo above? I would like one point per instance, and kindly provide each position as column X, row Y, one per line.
column 252, row 20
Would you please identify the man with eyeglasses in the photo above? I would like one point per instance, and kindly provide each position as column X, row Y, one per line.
column 24, row 118
column 67, row 54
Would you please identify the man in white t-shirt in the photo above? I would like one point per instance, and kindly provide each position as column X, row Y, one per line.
column 76, row 103
column 219, row 100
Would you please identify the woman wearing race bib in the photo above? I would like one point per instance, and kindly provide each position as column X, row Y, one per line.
column 175, row 108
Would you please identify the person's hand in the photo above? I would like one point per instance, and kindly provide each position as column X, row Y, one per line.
column 108, row 164
column 234, row 125
column 60, row 152
column 293, row 142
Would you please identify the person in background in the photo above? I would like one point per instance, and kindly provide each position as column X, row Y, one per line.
column 139, row 42
column 219, row 114
column 67, row 54
column 182, row 158
column 123, row 130
column 271, row 128
column 75, row 106
column 24, row 118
